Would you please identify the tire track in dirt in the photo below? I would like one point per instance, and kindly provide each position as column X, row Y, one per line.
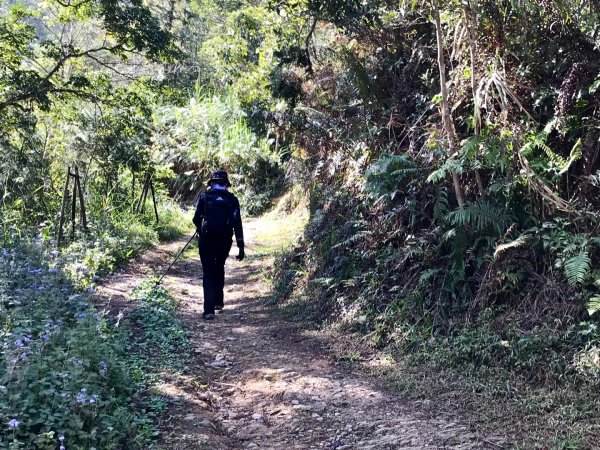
column 256, row 381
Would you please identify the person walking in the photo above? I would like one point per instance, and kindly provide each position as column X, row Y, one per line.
column 217, row 218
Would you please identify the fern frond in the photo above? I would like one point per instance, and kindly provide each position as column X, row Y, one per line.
column 405, row 171
column 449, row 166
column 448, row 235
column 480, row 215
column 575, row 155
column 516, row 243
column 577, row 268
column 352, row 240
column 556, row 160
column 437, row 175
column 470, row 146
column 593, row 305
column 441, row 206
column 428, row 275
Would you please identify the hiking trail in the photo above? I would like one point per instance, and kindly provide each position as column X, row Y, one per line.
column 257, row 381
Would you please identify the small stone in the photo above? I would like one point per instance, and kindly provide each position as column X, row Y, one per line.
column 302, row 407
column 257, row 416
column 207, row 424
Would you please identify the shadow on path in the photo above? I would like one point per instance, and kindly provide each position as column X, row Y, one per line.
column 257, row 381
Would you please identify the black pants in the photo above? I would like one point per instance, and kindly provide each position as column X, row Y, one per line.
column 213, row 253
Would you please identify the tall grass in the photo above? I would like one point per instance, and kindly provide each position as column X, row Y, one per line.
column 212, row 132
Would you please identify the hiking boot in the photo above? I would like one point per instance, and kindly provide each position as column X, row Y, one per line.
column 209, row 316
column 218, row 307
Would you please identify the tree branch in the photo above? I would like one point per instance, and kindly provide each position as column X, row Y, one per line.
column 44, row 84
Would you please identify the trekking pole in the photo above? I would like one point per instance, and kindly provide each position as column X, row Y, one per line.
column 176, row 258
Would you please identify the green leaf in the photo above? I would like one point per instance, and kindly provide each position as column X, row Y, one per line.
column 593, row 305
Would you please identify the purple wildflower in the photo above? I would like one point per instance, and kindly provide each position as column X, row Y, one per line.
column 14, row 424
column 80, row 397
column 103, row 368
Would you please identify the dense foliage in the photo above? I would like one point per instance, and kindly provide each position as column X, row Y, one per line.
column 451, row 155
column 97, row 99
column 449, row 152
column 431, row 208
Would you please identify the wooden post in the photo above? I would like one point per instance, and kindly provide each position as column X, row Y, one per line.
column 61, row 219
column 108, row 186
column 73, row 206
column 145, row 193
column 138, row 203
column 82, row 214
column 133, row 188
column 154, row 200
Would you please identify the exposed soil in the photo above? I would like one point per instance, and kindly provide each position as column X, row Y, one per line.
column 257, row 381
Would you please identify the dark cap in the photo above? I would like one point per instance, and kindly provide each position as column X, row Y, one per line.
column 220, row 177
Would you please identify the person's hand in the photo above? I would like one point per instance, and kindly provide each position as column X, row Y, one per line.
column 241, row 254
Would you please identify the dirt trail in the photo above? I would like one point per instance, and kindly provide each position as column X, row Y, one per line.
column 256, row 381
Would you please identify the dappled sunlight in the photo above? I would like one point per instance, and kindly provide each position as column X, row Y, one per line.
column 254, row 381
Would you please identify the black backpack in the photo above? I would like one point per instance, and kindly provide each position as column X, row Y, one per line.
column 218, row 213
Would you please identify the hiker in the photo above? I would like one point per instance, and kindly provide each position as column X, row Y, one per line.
column 217, row 217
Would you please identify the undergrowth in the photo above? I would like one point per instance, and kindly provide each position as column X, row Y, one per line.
column 158, row 349
column 68, row 376
column 159, row 340
column 64, row 372
column 502, row 300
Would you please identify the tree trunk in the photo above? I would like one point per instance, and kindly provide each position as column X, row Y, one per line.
column 446, row 114
column 476, row 110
